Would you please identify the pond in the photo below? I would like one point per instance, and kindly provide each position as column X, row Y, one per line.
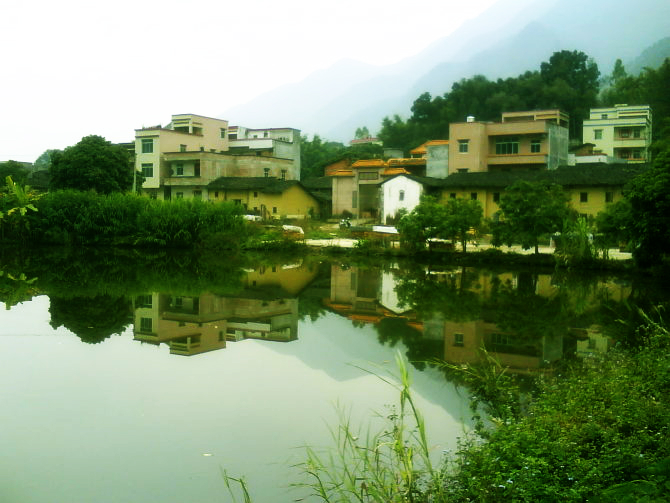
column 143, row 378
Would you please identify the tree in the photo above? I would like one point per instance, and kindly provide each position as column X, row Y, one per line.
column 529, row 211
column 571, row 84
column 92, row 164
column 15, row 169
column 362, row 133
column 422, row 223
column 649, row 196
column 43, row 162
column 462, row 215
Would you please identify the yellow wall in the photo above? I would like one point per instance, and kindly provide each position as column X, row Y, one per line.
column 595, row 198
column 293, row 202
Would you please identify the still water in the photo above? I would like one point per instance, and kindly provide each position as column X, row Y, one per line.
column 142, row 379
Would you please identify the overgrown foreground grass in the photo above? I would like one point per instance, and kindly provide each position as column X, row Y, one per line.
column 599, row 432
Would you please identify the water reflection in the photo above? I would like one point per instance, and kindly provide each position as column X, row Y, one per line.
column 265, row 308
column 528, row 320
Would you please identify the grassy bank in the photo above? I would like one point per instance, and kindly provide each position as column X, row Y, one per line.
column 78, row 218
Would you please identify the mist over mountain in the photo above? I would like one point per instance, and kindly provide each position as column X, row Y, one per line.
column 506, row 40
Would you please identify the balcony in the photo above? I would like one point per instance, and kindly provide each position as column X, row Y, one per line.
column 515, row 159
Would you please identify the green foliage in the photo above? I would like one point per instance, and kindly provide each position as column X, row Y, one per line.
column 575, row 245
column 92, row 164
column 569, row 81
column 649, row 196
column 15, row 203
column 648, row 88
column 362, row 133
column 614, row 225
column 429, row 219
column 601, row 431
column 74, row 217
column 17, row 171
column 529, row 211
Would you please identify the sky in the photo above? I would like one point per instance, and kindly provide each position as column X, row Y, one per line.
column 73, row 68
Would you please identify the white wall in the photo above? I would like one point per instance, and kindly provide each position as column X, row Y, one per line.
column 391, row 196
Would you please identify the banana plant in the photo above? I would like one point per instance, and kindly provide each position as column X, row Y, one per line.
column 19, row 201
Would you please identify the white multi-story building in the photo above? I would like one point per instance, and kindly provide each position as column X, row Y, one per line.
column 622, row 132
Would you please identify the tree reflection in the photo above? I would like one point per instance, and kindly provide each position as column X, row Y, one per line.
column 92, row 319
column 452, row 294
column 420, row 349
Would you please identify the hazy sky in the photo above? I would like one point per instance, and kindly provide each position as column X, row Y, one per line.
column 72, row 68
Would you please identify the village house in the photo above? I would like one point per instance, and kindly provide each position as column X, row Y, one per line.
column 622, row 132
column 532, row 140
column 181, row 159
column 266, row 197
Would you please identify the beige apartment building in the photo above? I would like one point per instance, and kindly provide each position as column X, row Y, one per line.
column 622, row 132
column 182, row 158
column 531, row 140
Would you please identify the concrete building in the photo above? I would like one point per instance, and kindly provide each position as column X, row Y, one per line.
column 622, row 132
column 181, row 159
column 531, row 140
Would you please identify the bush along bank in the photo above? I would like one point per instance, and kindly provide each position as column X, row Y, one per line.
column 601, row 432
column 71, row 217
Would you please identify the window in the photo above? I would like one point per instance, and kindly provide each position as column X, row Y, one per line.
column 283, row 174
column 255, row 194
column 266, row 172
column 274, row 210
column 452, row 195
column 637, row 133
column 265, row 134
column 368, row 175
column 197, row 194
column 637, row 153
column 401, row 196
column 597, row 134
column 223, row 132
column 232, row 136
column 624, row 133
column 144, row 301
column 496, row 197
column 147, row 146
column 182, row 148
column 583, row 197
column 179, row 195
column 603, row 116
column 147, row 169
column 535, row 146
column 179, row 169
column 609, row 197
column 216, row 194
column 458, row 340
column 146, row 324
column 463, row 146
column 462, row 170
column 473, row 196
column 507, row 146
column 196, row 168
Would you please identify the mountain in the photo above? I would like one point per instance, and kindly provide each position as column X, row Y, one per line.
column 506, row 40
column 652, row 57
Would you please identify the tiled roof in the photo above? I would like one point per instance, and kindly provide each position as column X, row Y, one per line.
column 268, row 185
column 422, row 149
column 596, row 174
column 321, row 182
column 369, row 163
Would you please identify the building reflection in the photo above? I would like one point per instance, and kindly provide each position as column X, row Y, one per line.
column 526, row 321
column 264, row 308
